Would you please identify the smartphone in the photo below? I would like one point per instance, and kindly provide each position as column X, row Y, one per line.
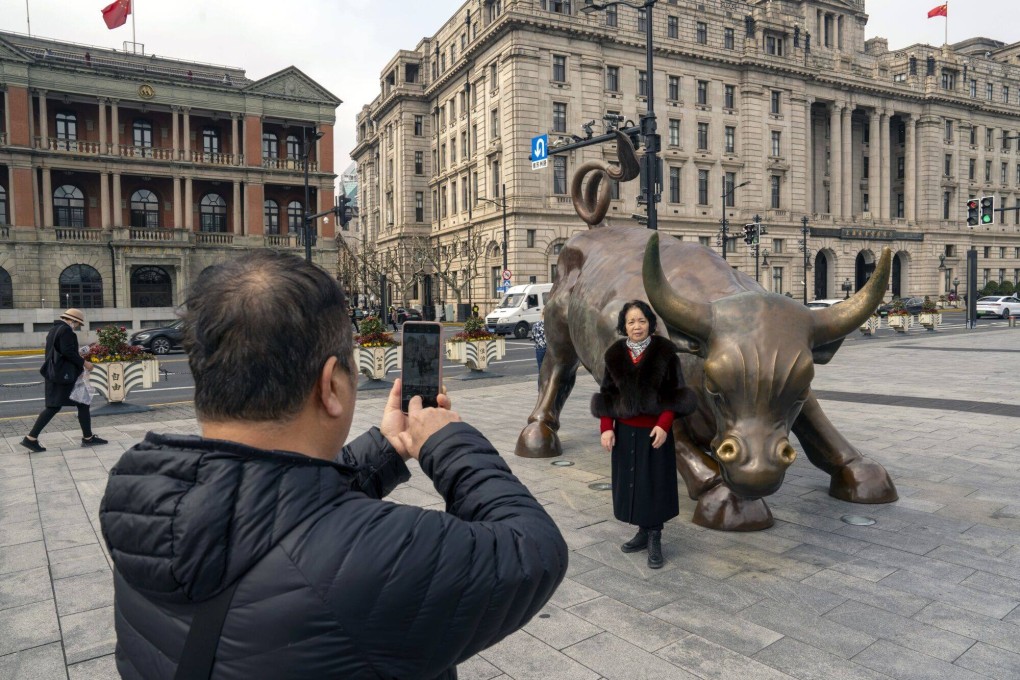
column 421, row 369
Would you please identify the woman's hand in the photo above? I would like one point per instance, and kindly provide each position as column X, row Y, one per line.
column 608, row 440
column 658, row 437
column 89, row 366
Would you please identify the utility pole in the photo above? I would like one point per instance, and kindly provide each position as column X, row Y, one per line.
column 725, row 231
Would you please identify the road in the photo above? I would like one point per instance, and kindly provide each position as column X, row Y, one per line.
column 21, row 391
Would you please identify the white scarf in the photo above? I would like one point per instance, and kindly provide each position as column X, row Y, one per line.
column 638, row 348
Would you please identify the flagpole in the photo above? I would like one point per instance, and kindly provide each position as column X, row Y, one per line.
column 947, row 22
column 133, row 38
column 28, row 18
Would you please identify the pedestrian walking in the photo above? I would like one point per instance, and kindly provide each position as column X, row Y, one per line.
column 538, row 335
column 641, row 394
column 62, row 364
column 354, row 319
column 393, row 317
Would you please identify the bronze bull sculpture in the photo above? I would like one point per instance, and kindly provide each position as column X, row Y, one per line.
column 748, row 354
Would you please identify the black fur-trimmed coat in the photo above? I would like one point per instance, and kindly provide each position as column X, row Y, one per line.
column 653, row 385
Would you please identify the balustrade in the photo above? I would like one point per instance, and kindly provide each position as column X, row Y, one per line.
column 146, row 152
column 214, row 238
column 72, row 234
column 209, row 158
column 289, row 164
column 150, row 234
column 281, row 240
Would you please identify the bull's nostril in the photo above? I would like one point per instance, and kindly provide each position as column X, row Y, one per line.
column 727, row 451
column 787, row 455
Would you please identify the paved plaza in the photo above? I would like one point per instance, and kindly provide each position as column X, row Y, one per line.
column 930, row 591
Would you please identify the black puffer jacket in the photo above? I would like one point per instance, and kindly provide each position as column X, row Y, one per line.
column 334, row 583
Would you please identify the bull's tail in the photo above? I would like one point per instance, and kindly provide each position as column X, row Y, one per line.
column 591, row 201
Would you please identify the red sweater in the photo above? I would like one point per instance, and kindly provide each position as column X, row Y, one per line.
column 663, row 420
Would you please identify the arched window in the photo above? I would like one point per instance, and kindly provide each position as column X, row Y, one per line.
column 210, row 140
column 151, row 287
column 270, row 145
column 144, row 209
column 3, row 205
column 295, row 217
column 81, row 286
column 69, row 207
column 293, row 148
column 6, row 290
column 67, row 129
column 213, row 213
column 142, row 130
column 271, row 214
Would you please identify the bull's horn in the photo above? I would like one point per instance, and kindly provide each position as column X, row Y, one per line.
column 688, row 317
column 838, row 321
column 592, row 201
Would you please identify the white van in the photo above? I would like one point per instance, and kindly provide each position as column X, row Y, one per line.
column 519, row 310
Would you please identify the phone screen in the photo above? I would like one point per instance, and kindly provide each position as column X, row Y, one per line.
column 422, row 363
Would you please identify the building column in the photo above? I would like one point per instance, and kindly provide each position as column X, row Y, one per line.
column 177, row 202
column 885, row 159
column 874, row 154
column 848, row 163
column 104, row 199
column 44, row 126
column 238, row 227
column 809, row 159
column 174, row 111
column 102, row 127
column 46, row 198
column 115, row 133
column 187, row 134
column 117, row 211
column 910, row 168
column 835, row 160
column 234, row 141
column 189, row 208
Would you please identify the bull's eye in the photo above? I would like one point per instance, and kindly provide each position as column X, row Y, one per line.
column 711, row 387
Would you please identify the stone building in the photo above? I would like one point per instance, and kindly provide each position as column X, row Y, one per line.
column 123, row 175
column 873, row 147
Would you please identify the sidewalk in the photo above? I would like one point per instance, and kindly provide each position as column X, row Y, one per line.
column 932, row 590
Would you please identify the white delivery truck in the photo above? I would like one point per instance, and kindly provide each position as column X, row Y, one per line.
column 519, row 310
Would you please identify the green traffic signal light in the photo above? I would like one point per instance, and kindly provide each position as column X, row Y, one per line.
column 987, row 209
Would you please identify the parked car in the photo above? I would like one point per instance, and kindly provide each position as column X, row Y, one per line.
column 159, row 340
column 1002, row 306
column 912, row 305
column 822, row 304
column 408, row 315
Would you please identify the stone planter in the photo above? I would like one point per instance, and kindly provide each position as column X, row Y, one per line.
column 931, row 321
column 376, row 362
column 114, row 380
column 871, row 326
column 476, row 354
column 901, row 323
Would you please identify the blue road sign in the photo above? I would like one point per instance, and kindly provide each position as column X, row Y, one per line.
column 539, row 148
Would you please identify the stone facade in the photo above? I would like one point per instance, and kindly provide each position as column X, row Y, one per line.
column 873, row 147
column 142, row 171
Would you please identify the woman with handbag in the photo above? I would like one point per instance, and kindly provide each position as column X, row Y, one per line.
column 60, row 370
column 641, row 394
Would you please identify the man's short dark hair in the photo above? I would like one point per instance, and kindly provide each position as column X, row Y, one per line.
column 258, row 330
column 621, row 321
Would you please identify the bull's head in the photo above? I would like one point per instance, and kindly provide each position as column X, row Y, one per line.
column 759, row 352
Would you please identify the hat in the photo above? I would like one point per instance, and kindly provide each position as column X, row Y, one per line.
column 74, row 315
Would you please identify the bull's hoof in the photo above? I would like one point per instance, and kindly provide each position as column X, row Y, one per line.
column 721, row 509
column 862, row 481
column 538, row 440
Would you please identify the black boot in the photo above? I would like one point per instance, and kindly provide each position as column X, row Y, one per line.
column 655, row 550
column 636, row 544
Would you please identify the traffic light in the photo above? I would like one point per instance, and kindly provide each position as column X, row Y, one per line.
column 973, row 213
column 987, row 209
column 343, row 212
column 749, row 234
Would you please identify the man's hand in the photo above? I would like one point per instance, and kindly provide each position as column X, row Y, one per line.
column 422, row 423
column 395, row 424
column 608, row 440
column 658, row 437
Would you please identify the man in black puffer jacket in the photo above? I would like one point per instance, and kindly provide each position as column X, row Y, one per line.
column 267, row 517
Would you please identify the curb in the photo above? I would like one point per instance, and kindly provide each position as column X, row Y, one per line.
column 21, row 352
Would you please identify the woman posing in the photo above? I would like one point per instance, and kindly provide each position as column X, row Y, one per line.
column 642, row 391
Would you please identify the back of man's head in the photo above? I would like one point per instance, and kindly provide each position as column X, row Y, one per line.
column 258, row 330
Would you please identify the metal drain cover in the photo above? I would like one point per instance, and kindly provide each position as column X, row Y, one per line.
column 857, row 520
column 562, row 463
column 600, row 486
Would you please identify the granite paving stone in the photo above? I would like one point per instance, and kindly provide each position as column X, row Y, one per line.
column 994, row 662
column 636, row 627
column 713, row 662
column 806, row 627
column 524, row 657
column 559, row 628
column 477, row 668
column 805, row 662
column 906, row 664
column 718, row 626
column 83, row 592
column 960, row 595
column 20, row 532
column 860, row 590
column 993, row 583
column 641, row 594
column 45, row 662
column 24, row 587
column 910, row 633
column 22, row 556
column 841, row 562
column 779, row 589
column 968, row 624
column 88, row 635
column 101, row 668
column 28, row 626
column 616, row 659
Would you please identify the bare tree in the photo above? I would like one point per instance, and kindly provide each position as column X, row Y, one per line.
column 451, row 255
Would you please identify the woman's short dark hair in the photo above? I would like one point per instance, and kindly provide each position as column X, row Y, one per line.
column 621, row 321
column 258, row 330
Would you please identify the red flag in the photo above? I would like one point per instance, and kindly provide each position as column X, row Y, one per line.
column 940, row 11
column 116, row 13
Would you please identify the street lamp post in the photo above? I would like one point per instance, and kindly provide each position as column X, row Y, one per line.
column 956, row 295
column 804, row 230
column 650, row 161
column 725, row 224
column 847, row 287
column 502, row 204
column 316, row 135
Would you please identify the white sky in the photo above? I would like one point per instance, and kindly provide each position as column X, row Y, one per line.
column 343, row 44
